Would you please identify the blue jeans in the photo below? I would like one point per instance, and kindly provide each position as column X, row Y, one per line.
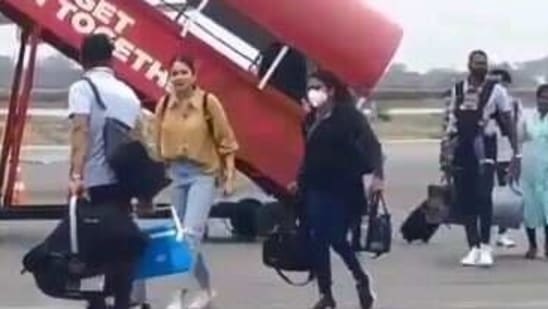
column 193, row 195
column 329, row 220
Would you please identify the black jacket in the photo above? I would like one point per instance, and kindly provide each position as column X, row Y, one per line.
column 339, row 151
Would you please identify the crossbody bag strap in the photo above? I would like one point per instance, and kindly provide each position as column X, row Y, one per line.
column 96, row 94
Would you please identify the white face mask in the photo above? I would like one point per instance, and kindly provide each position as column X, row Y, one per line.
column 317, row 97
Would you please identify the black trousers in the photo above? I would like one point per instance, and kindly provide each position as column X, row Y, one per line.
column 329, row 221
column 119, row 274
column 356, row 234
column 474, row 182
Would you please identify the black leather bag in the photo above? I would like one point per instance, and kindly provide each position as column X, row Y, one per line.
column 287, row 249
column 379, row 230
column 137, row 173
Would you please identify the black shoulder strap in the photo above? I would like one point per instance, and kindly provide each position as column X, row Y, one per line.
column 164, row 105
column 95, row 91
column 207, row 115
column 459, row 93
column 485, row 94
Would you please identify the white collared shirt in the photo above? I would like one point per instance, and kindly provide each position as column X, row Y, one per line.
column 122, row 104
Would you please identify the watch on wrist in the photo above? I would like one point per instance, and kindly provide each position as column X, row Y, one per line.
column 76, row 177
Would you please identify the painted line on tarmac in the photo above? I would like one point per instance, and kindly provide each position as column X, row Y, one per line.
column 411, row 141
column 64, row 148
column 39, row 307
column 531, row 304
column 386, row 141
column 45, row 148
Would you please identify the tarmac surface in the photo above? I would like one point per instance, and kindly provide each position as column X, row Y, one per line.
column 416, row 276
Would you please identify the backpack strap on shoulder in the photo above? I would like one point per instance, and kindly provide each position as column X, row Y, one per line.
column 163, row 105
column 486, row 92
column 459, row 93
column 207, row 115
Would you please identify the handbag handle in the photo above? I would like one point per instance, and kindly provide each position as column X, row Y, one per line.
column 378, row 199
column 293, row 283
column 73, row 224
column 512, row 185
column 176, row 221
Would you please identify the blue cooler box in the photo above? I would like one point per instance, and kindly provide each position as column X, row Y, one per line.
column 164, row 255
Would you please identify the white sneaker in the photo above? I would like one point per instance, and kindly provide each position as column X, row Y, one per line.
column 472, row 258
column 202, row 299
column 505, row 241
column 486, row 256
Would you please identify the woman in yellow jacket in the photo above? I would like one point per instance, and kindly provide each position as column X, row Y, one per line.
column 195, row 139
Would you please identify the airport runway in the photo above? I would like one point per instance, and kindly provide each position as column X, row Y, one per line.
column 412, row 277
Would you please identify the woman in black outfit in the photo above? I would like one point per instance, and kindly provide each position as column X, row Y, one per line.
column 340, row 149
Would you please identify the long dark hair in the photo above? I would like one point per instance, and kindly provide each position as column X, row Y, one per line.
column 342, row 94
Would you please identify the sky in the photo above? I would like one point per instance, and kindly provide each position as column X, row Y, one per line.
column 440, row 33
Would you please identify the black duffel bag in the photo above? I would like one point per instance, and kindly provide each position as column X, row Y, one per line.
column 83, row 245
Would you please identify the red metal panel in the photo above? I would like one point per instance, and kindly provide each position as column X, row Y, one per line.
column 7, row 142
column 143, row 36
column 20, row 116
column 267, row 123
column 344, row 36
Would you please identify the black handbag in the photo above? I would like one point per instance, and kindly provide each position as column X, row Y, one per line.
column 287, row 249
column 137, row 173
column 379, row 229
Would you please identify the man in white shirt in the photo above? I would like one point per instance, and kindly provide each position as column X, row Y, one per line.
column 89, row 170
column 472, row 153
column 504, row 149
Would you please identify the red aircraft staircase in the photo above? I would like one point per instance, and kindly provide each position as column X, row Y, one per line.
column 345, row 36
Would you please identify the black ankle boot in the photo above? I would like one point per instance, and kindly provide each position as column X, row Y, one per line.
column 365, row 295
column 325, row 302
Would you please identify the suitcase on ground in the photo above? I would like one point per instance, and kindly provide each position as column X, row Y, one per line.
column 416, row 227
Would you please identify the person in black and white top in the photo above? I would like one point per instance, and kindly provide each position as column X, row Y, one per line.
column 471, row 153
column 504, row 149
